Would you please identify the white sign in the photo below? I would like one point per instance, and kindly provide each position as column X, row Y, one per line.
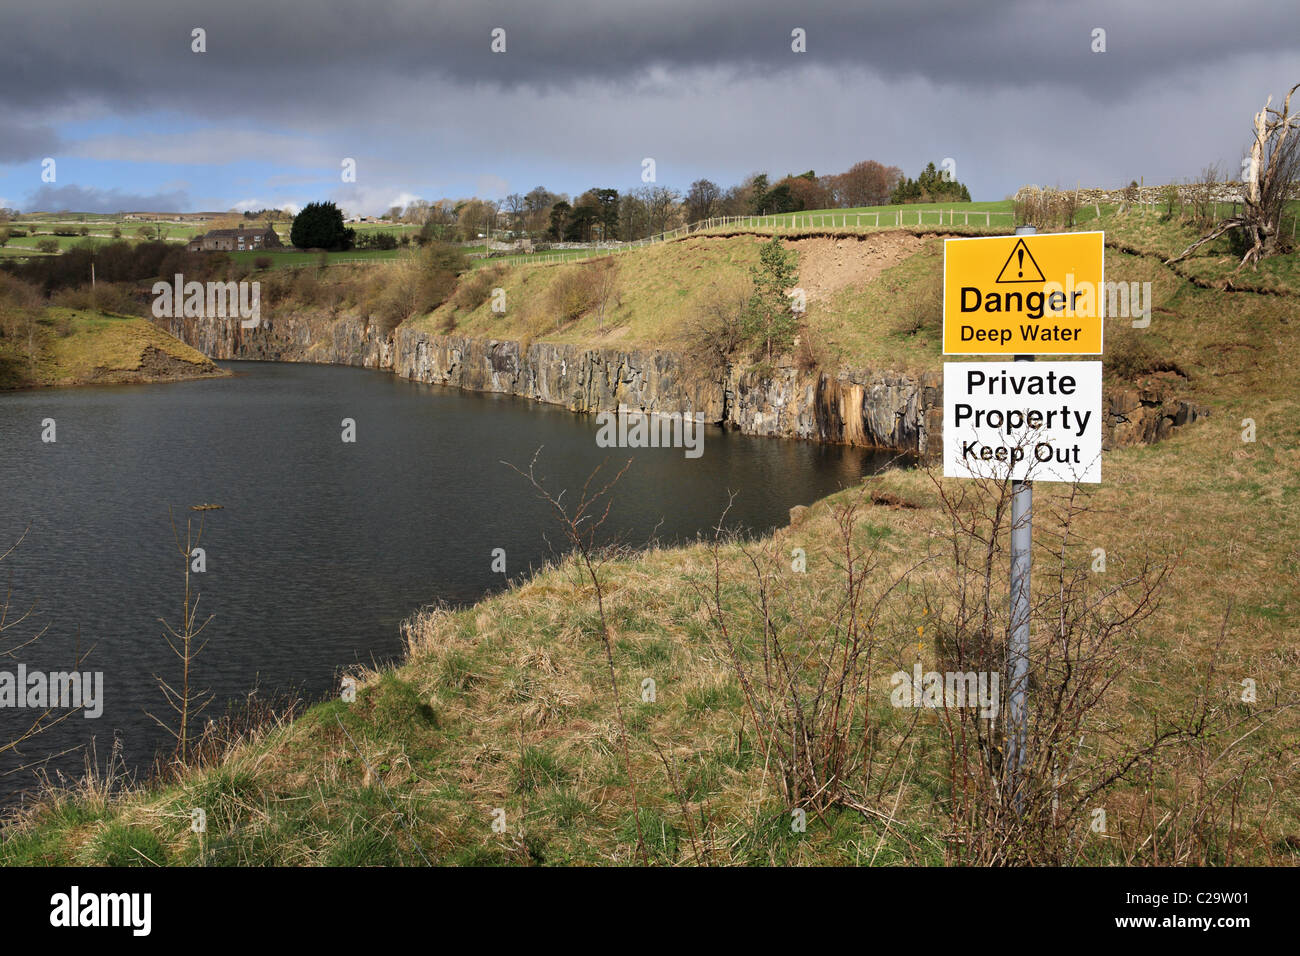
column 1040, row 420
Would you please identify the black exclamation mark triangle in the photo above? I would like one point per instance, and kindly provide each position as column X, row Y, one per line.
column 1020, row 266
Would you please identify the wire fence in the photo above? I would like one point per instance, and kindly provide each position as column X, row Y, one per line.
column 786, row 223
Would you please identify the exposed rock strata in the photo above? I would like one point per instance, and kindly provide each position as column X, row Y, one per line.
column 869, row 407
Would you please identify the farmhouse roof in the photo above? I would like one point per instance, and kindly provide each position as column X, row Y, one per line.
column 257, row 230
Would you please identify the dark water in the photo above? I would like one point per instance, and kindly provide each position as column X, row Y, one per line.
column 321, row 547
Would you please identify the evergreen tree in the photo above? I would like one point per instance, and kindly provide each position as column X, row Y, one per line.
column 559, row 220
column 930, row 186
column 583, row 217
column 320, row 226
column 769, row 315
column 607, row 203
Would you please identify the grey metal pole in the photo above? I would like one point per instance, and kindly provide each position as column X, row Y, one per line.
column 1022, row 540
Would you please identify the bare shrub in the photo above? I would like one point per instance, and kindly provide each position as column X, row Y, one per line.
column 111, row 297
column 17, row 294
column 393, row 296
column 808, row 355
column 411, row 286
column 811, row 653
column 535, row 321
column 475, row 287
column 306, row 285
column 277, row 287
column 1046, row 208
column 718, row 331
column 244, row 720
column 1202, row 195
column 805, row 650
column 572, row 295
column 1172, row 202
column 922, row 311
column 77, row 297
column 582, row 521
column 603, row 275
column 186, row 701
column 1033, row 810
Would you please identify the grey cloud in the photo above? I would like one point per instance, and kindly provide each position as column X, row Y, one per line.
column 313, row 57
column 589, row 87
column 89, row 199
column 20, row 142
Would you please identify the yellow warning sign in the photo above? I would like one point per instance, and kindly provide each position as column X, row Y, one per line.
column 1023, row 295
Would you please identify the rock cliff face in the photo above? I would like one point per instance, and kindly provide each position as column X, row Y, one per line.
column 305, row 338
column 869, row 407
column 1144, row 416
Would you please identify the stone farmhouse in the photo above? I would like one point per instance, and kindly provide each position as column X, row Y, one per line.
column 235, row 240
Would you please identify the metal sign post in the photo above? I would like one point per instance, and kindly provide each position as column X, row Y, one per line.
column 1022, row 542
column 1021, row 297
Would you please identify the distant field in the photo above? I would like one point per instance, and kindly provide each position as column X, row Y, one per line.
column 293, row 258
column 396, row 228
column 102, row 226
column 100, row 232
column 11, row 253
column 65, row 242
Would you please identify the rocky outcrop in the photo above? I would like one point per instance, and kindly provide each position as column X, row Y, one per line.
column 869, row 407
column 300, row 338
column 1142, row 416
column 882, row 409
column 581, row 379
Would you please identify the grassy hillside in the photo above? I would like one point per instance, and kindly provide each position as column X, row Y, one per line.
column 876, row 299
column 59, row 346
column 507, row 705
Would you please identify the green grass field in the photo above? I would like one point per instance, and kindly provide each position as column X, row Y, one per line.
column 293, row 258
column 65, row 242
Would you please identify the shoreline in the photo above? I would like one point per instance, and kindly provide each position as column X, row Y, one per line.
column 880, row 409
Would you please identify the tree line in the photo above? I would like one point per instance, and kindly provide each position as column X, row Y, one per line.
column 606, row 214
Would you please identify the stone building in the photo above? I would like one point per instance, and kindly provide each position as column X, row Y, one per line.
column 235, row 240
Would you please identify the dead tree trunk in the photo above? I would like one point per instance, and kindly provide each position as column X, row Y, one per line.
column 1270, row 178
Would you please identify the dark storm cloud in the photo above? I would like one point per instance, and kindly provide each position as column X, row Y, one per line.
column 89, row 199
column 587, row 88
column 317, row 55
column 19, row 142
